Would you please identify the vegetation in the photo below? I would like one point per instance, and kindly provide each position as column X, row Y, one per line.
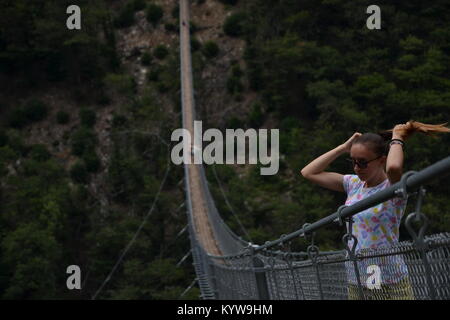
column 41, row 51
column 32, row 111
column 91, row 161
column 195, row 44
column 62, row 117
column 234, row 25
column 83, row 140
column 309, row 68
column 231, row 2
column 125, row 17
column 79, row 173
column 154, row 13
column 161, row 52
column 87, row 117
column 171, row 27
column 210, row 49
column 146, row 59
column 124, row 84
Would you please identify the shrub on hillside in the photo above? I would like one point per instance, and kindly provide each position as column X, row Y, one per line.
column 124, row 84
column 195, row 44
column 91, row 161
column 83, row 139
column 146, row 59
column 234, row 25
column 161, row 52
column 230, row 2
column 138, row 4
column 154, row 13
column 234, row 85
column 79, row 173
column 33, row 111
column 62, row 117
column 87, row 117
column 210, row 49
column 39, row 152
column 125, row 17
column 171, row 27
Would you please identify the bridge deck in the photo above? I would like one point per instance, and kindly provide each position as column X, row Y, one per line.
column 202, row 224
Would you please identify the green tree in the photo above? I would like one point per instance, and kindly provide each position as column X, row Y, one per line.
column 125, row 17
column 234, row 25
column 31, row 256
column 91, row 161
column 146, row 59
column 87, row 117
column 62, row 117
column 161, row 52
column 32, row 111
column 39, row 152
column 83, row 140
column 230, row 2
column 79, row 173
column 210, row 49
column 124, row 84
column 234, row 85
column 154, row 13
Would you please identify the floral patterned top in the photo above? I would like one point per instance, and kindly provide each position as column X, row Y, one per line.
column 376, row 227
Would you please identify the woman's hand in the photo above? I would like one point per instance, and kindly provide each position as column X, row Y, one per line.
column 399, row 131
column 347, row 145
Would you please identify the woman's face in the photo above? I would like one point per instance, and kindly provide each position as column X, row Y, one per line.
column 366, row 163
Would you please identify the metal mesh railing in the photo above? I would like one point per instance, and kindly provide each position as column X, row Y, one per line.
column 402, row 274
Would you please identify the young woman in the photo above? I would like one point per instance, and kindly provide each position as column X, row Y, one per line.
column 377, row 164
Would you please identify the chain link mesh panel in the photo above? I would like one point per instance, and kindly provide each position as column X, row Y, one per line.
column 399, row 273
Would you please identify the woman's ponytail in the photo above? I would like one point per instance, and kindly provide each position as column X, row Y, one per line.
column 379, row 142
column 415, row 126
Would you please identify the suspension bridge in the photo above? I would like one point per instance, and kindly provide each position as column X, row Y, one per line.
column 227, row 267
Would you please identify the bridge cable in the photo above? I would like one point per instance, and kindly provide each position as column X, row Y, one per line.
column 229, row 205
column 135, row 234
column 188, row 288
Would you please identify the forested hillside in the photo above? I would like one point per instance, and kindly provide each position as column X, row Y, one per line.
column 84, row 149
column 86, row 118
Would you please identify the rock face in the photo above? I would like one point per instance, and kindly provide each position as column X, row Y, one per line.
column 213, row 103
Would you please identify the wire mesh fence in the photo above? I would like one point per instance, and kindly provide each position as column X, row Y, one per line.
column 397, row 272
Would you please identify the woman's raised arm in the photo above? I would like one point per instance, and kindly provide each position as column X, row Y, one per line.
column 314, row 171
column 395, row 157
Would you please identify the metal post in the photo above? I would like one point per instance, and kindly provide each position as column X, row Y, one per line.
column 352, row 255
column 261, row 280
column 419, row 241
column 212, row 272
column 288, row 258
column 313, row 253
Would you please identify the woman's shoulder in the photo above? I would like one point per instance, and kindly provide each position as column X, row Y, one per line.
column 352, row 178
column 350, row 181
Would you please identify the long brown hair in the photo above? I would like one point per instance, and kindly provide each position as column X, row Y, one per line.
column 378, row 142
column 416, row 126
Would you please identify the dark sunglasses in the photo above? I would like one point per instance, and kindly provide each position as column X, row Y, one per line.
column 361, row 163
